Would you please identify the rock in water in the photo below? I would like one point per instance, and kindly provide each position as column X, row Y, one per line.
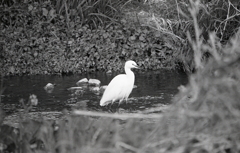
column 49, row 88
column 95, row 82
column 83, row 81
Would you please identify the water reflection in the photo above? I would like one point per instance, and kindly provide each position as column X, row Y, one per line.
column 153, row 88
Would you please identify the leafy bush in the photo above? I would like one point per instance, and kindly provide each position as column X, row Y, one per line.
column 38, row 40
column 33, row 31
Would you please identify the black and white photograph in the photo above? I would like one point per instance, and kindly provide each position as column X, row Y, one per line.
column 119, row 76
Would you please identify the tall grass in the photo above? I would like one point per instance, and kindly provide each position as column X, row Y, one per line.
column 2, row 114
column 174, row 18
column 93, row 13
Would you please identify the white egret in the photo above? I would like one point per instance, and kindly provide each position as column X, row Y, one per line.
column 121, row 86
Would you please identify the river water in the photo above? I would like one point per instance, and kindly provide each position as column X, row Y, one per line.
column 154, row 88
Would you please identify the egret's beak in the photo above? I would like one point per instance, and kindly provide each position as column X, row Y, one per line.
column 136, row 66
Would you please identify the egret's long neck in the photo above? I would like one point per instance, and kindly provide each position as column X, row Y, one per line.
column 130, row 74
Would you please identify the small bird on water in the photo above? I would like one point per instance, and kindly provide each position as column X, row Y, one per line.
column 121, row 85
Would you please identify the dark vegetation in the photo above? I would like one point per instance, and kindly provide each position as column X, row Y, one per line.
column 75, row 36
column 47, row 37
column 204, row 116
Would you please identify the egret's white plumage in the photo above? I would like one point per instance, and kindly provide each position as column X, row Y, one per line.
column 121, row 86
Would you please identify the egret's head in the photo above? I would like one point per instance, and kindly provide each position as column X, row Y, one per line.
column 131, row 64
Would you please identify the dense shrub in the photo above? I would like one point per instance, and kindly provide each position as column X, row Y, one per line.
column 38, row 40
column 93, row 35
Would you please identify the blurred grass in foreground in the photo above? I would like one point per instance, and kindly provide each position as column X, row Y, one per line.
column 204, row 116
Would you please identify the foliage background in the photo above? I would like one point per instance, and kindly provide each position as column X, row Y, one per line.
column 47, row 37
column 39, row 37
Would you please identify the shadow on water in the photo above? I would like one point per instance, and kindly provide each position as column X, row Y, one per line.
column 153, row 89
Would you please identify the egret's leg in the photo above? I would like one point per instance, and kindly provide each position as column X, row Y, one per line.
column 126, row 100
column 112, row 103
column 120, row 101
